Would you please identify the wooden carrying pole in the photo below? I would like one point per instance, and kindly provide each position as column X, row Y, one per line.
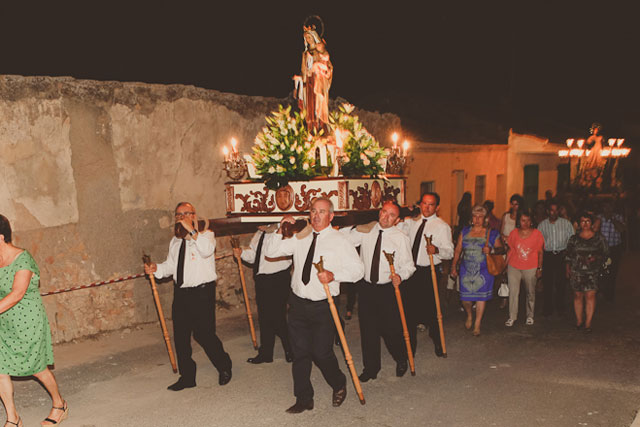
column 336, row 318
column 147, row 260
column 436, row 296
column 236, row 244
column 405, row 330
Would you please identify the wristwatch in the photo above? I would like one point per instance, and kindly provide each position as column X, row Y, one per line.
column 193, row 232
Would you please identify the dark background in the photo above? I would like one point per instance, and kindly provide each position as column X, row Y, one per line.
column 550, row 68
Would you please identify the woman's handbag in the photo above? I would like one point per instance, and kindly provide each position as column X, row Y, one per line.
column 495, row 263
column 503, row 291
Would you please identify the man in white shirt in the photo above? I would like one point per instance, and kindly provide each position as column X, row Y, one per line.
column 273, row 285
column 378, row 309
column 311, row 327
column 191, row 262
column 556, row 232
column 418, row 290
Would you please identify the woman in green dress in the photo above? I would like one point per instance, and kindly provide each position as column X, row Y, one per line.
column 25, row 337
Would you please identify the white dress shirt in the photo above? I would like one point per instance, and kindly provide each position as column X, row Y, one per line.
column 264, row 266
column 442, row 239
column 339, row 255
column 199, row 260
column 393, row 241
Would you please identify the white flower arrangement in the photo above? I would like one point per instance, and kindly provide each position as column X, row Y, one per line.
column 363, row 156
column 282, row 150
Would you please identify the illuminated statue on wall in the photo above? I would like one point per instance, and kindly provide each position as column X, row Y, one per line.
column 312, row 86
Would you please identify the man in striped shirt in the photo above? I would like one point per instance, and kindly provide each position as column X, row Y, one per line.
column 556, row 232
column 611, row 226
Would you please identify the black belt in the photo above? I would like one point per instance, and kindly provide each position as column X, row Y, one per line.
column 202, row 286
column 555, row 252
column 307, row 300
column 376, row 284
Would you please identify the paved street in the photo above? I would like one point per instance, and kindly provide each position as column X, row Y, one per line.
column 542, row 375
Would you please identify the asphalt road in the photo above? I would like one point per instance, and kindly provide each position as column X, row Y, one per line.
column 547, row 374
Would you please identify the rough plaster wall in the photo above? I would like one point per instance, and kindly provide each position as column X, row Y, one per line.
column 36, row 179
column 90, row 173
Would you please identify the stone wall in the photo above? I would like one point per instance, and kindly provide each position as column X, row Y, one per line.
column 90, row 173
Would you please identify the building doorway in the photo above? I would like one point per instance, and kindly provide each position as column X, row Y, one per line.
column 564, row 178
column 530, row 190
column 458, row 190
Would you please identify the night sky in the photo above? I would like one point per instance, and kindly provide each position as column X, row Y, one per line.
column 570, row 64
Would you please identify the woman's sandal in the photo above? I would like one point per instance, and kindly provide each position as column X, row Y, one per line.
column 65, row 414
column 18, row 424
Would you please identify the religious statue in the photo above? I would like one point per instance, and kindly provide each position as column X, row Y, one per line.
column 312, row 87
column 595, row 171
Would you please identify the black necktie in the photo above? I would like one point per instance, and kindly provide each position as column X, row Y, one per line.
column 256, row 263
column 181, row 254
column 416, row 242
column 306, row 271
column 375, row 263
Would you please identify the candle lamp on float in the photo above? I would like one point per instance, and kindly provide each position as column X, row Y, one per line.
column 397, row 159
column 234, row 164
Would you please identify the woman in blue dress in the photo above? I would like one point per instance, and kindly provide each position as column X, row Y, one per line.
column 476, row 284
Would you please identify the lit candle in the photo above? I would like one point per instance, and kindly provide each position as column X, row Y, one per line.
column 234, row 142
column 405, row 147
column 339, row 139
column 225, row 151
column 394, row 138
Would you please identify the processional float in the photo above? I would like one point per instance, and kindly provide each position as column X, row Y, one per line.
column 309, row 153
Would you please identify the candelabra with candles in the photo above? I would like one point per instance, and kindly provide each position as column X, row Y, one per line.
column 614, row 150
column 234, row 164
column 397, row 159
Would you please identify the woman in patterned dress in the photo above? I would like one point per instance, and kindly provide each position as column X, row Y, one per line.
column 25, row 337
column 586, row 253
column 476, row 284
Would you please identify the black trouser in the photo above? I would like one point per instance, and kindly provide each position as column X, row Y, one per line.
column 312, row 332
column 420, row 305
column 608, row 282
column 194, row 312
column 379, row 317
column 272, row 294
column 352, row 292
column 554, row 280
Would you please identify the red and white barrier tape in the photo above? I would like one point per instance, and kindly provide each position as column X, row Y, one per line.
column 106, row 282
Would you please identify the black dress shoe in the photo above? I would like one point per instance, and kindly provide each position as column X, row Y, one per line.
column 181, row 384
column 401, row 368
column 259, row 359
column 300, row 406
column 438, row 350
column 365, row 376
column 288, row 356
column 339, row 396
column 225, row 377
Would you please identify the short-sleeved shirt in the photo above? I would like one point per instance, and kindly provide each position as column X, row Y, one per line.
column 523, row 253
